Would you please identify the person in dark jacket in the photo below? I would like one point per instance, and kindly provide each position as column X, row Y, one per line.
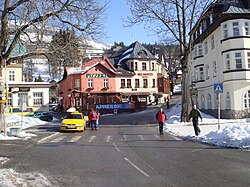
column 161, row 118
column 93, row 116
column 195, row 114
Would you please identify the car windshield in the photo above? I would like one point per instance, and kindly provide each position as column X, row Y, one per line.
column 73, row 116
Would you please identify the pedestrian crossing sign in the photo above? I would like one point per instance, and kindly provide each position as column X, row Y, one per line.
column 218, row 88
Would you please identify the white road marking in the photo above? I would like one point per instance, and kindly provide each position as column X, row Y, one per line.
column 141, row 137
column 116, row 147
column 196, row 150
column 75, row 139
column 136, row 167
column 46, row 138
column 157, row 136
column 125, row 137
column 57, row 139
column 107, row 138
column 92, row 138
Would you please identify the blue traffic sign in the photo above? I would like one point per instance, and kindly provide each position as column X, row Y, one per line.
column 218, row 88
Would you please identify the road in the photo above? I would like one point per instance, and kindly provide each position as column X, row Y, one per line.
column 126, row 152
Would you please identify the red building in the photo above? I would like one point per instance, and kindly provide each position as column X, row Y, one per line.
column 89, row 86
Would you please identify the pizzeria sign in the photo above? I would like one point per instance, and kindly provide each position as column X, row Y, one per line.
column 97, row 76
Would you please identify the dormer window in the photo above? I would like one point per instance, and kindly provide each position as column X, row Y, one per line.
column 142, row 53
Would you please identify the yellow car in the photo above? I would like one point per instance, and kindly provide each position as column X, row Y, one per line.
column 73, row 121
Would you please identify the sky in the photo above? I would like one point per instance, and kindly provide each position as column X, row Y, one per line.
column 117, row 11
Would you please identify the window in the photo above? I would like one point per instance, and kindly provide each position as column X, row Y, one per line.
column 248, row 59
column 236, row 30
column 212, row 42
column 38, row 98
column 90, row 83
column 238, row 61
column 137, row 83
column 225, row 31
column 209, row 101
column 227, row 61
column 153, row 85
column 247, row 99
column 201, row 73
column 153, row 66
column 247, row 28
column 228, row 101
column 202, row 102
column 214, row 69
column 132, row 65
column 195, row 51
column 77, row 84
column 122, row 83
column 200, row 49
column 10, row 101
column 207, row 72
column 105, row 83
column 136, row 66
column 206, row 47
column 22, row 98
column 128, row 83
column 11, row 75
column 145, row 83
column 144, row 66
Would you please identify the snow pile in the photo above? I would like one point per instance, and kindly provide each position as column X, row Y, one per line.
column 232, row 133
column 11, row 178
column 231, row 136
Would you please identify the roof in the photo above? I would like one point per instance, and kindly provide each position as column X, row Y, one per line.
column 136, row 51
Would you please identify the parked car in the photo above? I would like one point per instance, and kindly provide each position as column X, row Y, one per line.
column 43, row 115
column 73, row 121
column 28, row 111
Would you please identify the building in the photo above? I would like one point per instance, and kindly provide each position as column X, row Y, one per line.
column 91, row 86
column 221, row 54
column 31, row 94
column 137, row 74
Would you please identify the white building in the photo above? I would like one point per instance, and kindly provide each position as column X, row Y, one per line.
column 221, row 54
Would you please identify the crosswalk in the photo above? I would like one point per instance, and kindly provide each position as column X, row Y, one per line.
column 62, row 138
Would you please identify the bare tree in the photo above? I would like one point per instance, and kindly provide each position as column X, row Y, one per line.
column 28, row 20
column 173, row 18
column 19, row 18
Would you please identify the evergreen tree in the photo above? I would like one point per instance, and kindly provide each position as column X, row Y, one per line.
column 63, row 52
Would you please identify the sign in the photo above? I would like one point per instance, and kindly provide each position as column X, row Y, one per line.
column 97, row 76
column 145, row 74
column 218, row 88
column 113, row 106
column 24, row 89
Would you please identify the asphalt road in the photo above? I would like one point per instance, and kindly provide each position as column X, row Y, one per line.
column 126, row 151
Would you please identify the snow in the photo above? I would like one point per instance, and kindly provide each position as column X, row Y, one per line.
column 232, row 133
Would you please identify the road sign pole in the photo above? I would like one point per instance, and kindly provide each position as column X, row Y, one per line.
column 218, row 111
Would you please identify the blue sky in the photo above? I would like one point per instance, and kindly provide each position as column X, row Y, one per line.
column 118, row 10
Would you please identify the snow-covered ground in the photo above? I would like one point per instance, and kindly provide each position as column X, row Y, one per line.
column 232, row 133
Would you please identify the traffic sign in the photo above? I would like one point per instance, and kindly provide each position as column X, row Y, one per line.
column 218, row 88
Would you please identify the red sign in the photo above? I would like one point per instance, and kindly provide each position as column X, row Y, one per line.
column 144, row 74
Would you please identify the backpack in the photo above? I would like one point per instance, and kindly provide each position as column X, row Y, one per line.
column 93, row 114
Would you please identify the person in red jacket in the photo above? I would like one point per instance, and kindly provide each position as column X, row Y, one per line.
column 161, row 118
column 93, row 116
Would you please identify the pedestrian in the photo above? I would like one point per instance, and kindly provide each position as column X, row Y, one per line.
column 97, row 120
column 161, row 118
column 92, row 119
column 195, row 114
column 168, row 103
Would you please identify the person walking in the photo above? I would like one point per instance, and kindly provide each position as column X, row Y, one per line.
column 195, row 114
column 161, row 118
column 97, row 120
column 93, row 116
